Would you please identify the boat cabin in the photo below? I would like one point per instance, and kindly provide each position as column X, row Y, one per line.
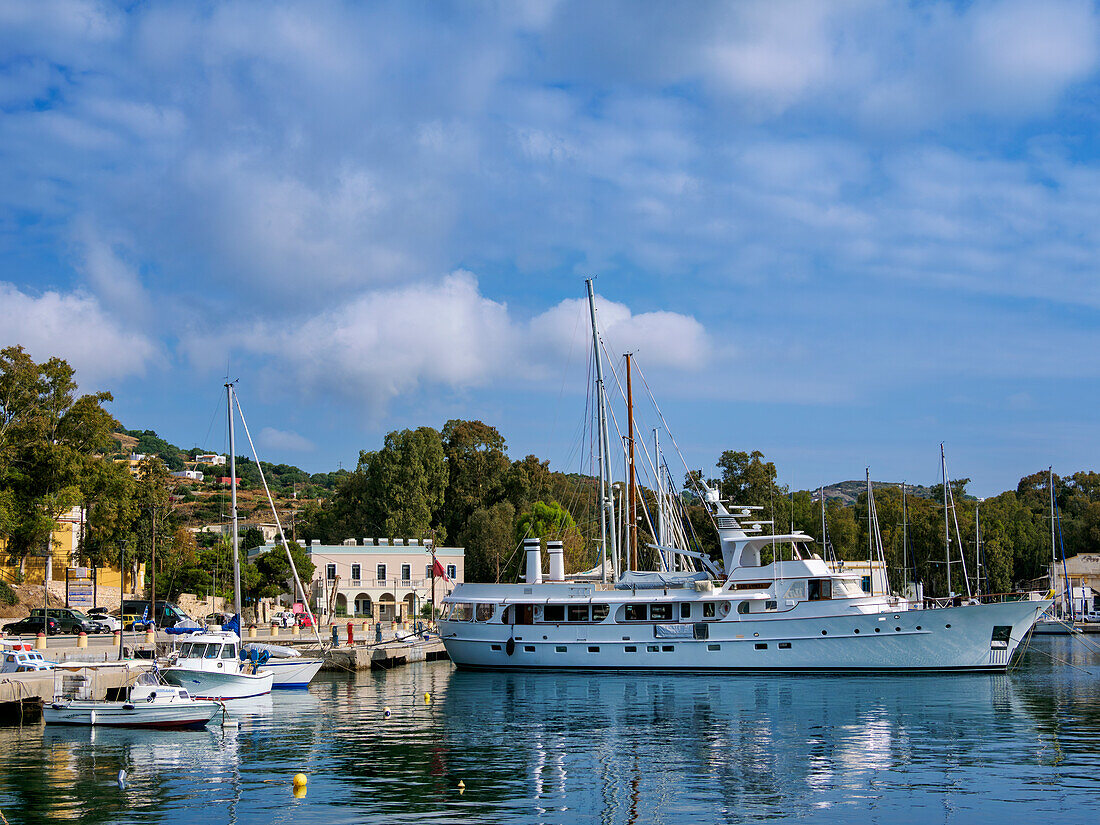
column 211, row 651
column 24, row 661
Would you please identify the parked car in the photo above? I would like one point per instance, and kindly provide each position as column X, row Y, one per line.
column 284, row 618
column 32, row 626
column 102, row 616
column 69, row 620
column 166, row 614
column 304, row 620
column 218, row 618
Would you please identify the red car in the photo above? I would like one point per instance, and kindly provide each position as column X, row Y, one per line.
column 304, row 620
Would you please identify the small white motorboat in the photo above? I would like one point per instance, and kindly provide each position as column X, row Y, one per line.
column 287, row 666
column 22, row 658
column 149, row 705
column 209, row 666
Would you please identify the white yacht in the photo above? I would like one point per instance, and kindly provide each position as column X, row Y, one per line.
column 774, row 605
column 793, row 615
column 209, row 666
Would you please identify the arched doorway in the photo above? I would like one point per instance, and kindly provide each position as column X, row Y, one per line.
column 364, row 606
column 386, row 605
column 341, row 604
column 410, row 606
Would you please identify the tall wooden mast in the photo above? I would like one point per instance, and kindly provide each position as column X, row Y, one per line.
column 633, row 534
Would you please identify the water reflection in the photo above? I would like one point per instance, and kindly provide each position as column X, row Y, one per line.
column 591, row 748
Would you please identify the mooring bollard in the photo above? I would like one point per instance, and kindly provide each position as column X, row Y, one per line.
column 82, row 639
column 378, row 632
column 294, row 631
column 274, row 629
column 351, row 634
column 150, row 635
column 118, row 637
column 40, row 642
column 366, row 627
column 252, row 631
column 335, row 636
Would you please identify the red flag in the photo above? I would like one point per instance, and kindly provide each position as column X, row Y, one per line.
column 438, row 570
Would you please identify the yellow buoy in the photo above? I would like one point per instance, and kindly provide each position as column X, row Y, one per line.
column 427, row 698
column 300, row 779
column 461, row 787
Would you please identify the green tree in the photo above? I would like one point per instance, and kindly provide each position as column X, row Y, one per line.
column 489, row 542
column 477, row 469
column 275, row 576
column 48, row 438
column 406, row 481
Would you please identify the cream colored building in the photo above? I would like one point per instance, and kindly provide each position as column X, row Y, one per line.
column 378, row 579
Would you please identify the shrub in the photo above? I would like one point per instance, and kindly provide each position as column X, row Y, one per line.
column 7, row 595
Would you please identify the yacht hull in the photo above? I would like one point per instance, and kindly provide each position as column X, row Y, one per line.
column 204, row 684
column 967, row 638
column 291, row 673
column 196, row 714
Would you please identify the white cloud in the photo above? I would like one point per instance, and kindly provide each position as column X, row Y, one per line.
column 389, row 343
column 74, row 327
column 273, row 439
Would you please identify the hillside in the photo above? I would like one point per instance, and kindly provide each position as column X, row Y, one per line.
column 849, row 491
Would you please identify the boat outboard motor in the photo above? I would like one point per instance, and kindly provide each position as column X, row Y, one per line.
column 557, row 561
column 534, row 560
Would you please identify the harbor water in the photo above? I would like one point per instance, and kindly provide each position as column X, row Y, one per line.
column 597, row 747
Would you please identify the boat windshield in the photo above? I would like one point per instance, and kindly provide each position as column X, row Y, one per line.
column 212, row 651
column 228, row 652
column 197, row 651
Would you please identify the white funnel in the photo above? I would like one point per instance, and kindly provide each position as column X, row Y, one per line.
column 557, row 561
column 534, row 561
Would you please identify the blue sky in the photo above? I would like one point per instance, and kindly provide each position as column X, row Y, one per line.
column 838, row 233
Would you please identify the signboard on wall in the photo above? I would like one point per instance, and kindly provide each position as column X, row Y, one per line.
column 80, row 588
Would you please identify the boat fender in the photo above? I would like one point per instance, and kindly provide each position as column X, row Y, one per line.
column 724, row 608
column 152, row 696
column 127, row 706
column 510, row 647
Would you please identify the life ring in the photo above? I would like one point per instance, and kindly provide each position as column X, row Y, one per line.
column 723, row 609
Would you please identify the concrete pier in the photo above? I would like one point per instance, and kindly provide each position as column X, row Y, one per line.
column 385, row 656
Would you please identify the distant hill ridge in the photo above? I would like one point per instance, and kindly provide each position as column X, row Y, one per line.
column 849, row 491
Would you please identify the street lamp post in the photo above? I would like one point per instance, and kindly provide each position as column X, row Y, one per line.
column 121, row 594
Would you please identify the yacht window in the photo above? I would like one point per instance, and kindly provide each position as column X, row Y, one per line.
column 844, row 589
column 865, row 583
column 820, row 590
column 770, row 606
column 228, row 652
column 212, row 651
column 185, row 650
column 743, row 607
column 197, row 651
column 462, row 612
column 446, row 612
column 708, row 610
column 599, row 612
column 578, row 613
column 660, row 612
column 484, row 612
column 553, row 613
column 797, row 591
column 635, row 613
column 685, row 610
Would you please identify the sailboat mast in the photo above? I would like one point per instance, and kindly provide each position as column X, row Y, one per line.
column 1053, row 542
column 977, row 549
column 608, row 536
column 904, row 538
column 233, row 504
column 660, row 488
column 633, row 526
column 870, row 535
column 946, row 520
